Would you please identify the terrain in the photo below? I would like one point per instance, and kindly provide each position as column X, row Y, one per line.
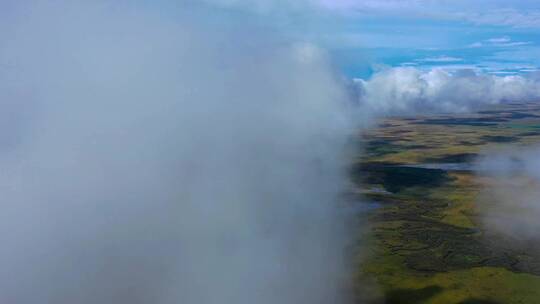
column 426, row 238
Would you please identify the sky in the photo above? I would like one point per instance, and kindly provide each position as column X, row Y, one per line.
column 364, row 36
column 495, row 37
column 491, row 36
column 192, row 151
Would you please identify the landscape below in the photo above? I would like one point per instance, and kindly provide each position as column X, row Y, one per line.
column 427, row 242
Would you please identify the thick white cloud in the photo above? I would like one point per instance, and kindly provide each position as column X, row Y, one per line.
column 411, row 90
column 146, row 158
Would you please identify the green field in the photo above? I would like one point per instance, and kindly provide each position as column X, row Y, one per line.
column 426, row 244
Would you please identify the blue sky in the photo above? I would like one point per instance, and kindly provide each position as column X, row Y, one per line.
column 434, row 43
column 491, row 36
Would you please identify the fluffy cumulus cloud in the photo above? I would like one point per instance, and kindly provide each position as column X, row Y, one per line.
column 156, row 158
column 405, row 90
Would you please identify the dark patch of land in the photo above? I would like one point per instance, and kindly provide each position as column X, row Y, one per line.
column 530, row 133
column 492, row 119
column 452, row 158
column 475, row 122
column 395, row 178
column 381, row 147
column 478, row 301
column 499, row 138
column 412, row 296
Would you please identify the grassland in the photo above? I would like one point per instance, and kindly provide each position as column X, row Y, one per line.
column 426, row 242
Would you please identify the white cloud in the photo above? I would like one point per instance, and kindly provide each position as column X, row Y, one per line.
column 485, row 12
column 411, row 90
column 442, row 58
column 147, row 159
column 269, row 6
column 499, row 42
column 507, row 17
column 476, row 45
column 503, row 72
column 510, row 205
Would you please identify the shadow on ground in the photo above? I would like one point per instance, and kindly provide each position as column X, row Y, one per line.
column 478, row 301
column 412, row 296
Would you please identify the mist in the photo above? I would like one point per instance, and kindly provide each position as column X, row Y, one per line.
column 167, row 157
column 509, row 204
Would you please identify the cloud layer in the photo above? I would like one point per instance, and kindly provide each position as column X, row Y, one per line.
column 410, row 90
column 151, row 158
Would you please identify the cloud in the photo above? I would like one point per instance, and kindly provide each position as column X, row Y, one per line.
column 268, row 6
column 442, row 58
column 409, row 63
column 412, row 90
column 519, row 14
column 510, row 203
column 488, row 12
column 512, row 17
column 151, row 157
column 499, row 42
column 367, row 5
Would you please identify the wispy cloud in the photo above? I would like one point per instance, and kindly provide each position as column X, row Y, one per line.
column 510, row 204
column 499, row 40
column 518, row 14
column 440, row 59
column 505, row 17
column 504, row 41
